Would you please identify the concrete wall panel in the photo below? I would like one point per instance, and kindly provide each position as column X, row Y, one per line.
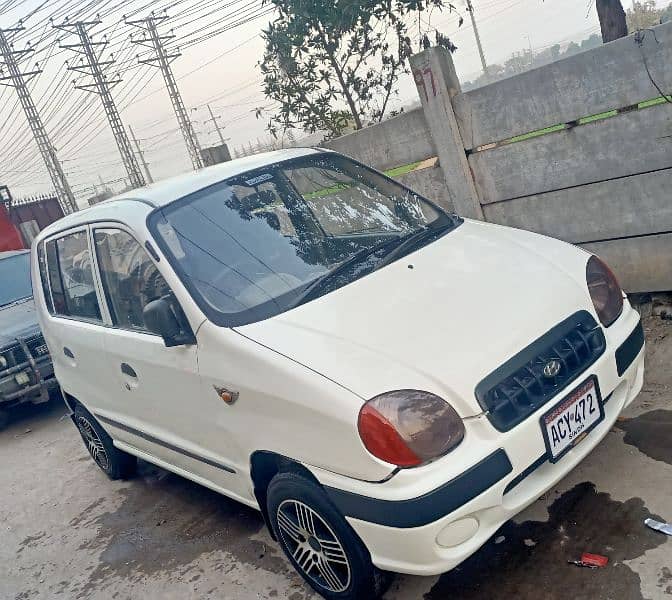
column 642, row 264
column 627, row 144
column 398, row 141
column 611, row 76
column 631, row 206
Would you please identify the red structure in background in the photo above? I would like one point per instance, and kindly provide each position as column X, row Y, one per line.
column 21, row 220
column 10, row 238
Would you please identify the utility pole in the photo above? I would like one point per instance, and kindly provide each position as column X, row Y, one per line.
column 470, row 10
column 216, row 124
column 142, row 156
column 19, row 80
column 101, row 85
column 162, row 59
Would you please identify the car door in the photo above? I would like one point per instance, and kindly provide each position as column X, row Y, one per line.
column 75, row 330
column 156, row 403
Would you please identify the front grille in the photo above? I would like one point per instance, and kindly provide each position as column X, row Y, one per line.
column 519, row 387
column 37, row 346
column 15, row 355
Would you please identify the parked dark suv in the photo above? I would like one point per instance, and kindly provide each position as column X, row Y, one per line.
column 26, row 372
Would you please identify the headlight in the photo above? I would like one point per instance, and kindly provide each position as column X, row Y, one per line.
column 408, row 427
column 3, row 362
column 604, row 291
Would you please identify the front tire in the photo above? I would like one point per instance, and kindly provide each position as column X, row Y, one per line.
column 115, row 463
column 319, row 542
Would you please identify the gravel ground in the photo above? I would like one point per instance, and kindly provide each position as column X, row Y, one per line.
column 68, row 532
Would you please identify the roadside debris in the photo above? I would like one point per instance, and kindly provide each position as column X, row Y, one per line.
column 658, row 526
column 590, row 561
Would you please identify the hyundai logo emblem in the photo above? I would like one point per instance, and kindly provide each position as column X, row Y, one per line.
column 552, row 369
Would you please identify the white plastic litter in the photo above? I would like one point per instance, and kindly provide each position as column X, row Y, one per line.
column 658, row 526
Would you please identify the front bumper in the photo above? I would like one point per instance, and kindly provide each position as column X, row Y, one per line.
column 35, row 380
column 456, row 518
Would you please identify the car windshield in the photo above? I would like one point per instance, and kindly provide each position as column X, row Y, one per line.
column 260, row 243
column 15, row 277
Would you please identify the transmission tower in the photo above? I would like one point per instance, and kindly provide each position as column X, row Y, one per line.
column 19, row 80
column 162, row 59
column 91, row 64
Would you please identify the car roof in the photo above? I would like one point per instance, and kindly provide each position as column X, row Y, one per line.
column 168, row 190
column 8, row 253
column 171, row 189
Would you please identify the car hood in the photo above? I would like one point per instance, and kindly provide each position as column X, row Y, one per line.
column 439, row 319
column 18, row 320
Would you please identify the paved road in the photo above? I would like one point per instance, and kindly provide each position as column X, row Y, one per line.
column 68, row 532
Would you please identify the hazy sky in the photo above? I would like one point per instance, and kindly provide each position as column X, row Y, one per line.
column 223, row 72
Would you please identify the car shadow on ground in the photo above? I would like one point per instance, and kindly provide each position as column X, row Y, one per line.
column 162, row 523
column 27, row 417
column 165, row 522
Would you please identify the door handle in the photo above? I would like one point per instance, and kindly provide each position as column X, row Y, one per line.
column 68, row 352
column 126, row 369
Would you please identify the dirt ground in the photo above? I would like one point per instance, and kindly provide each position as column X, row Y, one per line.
column 68, row 532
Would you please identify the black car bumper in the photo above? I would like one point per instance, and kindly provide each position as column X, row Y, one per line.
column 28, row 381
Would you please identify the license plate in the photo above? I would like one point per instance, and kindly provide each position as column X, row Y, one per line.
column 22, row 378
column 566, row 424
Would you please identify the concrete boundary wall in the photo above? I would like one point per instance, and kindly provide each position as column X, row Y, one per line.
column 575, row 150
column 604, row 78
column 401, row 140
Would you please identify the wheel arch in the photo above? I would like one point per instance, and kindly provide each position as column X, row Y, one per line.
column 70, row 401
column 264, row 465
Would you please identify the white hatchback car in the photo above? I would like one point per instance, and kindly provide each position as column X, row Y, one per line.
column 386, row 382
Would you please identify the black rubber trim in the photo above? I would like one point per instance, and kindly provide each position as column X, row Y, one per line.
column 155, row 440
column 416, row 512
column 153, row 252
column 523, row 474
column 630, row 349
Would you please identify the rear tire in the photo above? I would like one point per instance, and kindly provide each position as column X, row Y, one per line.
column 115, row 463
column 320, row 543
column 4, row 419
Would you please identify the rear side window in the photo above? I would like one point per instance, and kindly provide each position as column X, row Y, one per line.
column 71, row 277
column 130, row 278
column 42, row 262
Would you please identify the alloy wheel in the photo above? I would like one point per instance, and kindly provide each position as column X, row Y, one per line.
column 93, row 443
column 313, row 545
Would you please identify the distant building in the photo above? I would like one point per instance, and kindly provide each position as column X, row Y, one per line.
column 216, row 155
column 21, row 219
column 104, row 195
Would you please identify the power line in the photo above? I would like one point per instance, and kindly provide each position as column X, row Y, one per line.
column 162, row 60
column 101, row 86
column 18, row 80
column 141, row 154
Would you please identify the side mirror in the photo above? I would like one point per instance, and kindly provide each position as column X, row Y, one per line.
column 160, row 318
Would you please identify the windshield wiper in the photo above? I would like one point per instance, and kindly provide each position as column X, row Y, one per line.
column 413, row 240
column 320, row 283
